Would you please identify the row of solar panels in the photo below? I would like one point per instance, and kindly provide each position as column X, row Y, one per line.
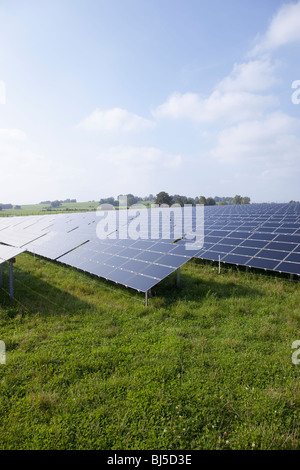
column 260, row 236
column 8, row 252
column 264, row 236
column 71, row 239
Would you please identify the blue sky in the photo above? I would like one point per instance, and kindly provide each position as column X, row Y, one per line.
column 99, row 98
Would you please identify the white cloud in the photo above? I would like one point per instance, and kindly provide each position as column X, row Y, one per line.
column 26, row 174
column 229, row 107
column 284, row 29
column 139, row 159
column 122, row 168
column 236, row 98
column 2, row 92
column 11, row 135
column 271, row 141
column 253, row 76
column 115, row 120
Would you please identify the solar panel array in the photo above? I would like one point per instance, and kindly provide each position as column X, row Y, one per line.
column 265, row 236
column 72, row 239
column 8, row 252
column 139, row 251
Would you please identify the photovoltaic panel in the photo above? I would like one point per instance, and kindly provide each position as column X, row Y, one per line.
column 8, row 252
column 286, row 267
column 265, row 236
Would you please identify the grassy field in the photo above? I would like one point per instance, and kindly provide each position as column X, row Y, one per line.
column 41, row 209
column 204, row 366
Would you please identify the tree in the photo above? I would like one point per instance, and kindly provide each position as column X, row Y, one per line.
column 131, row 199
column 55, row 203
column 245, row 200
column 190, row 200
column 202, row 200
column 237, row 199
column 177, row 199
column 163, row 198
column 108, row 200
column 210, row 201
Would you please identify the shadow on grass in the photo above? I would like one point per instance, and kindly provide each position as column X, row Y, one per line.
column 194, row 287
column 34, row 295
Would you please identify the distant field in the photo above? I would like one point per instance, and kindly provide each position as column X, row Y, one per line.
column 39, row 209
column 205, row 366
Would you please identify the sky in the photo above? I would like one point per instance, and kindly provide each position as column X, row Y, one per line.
column 100, row 98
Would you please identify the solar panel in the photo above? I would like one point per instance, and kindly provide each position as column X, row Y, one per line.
column 8, row 252
column 271, row 240
column 265, row 236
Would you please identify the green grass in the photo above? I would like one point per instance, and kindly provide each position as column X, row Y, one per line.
column 205, row 366
column 41, row 209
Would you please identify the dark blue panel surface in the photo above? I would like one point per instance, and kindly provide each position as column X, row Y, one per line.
column 254, row 243
column 244, row 250
column 141, row 283
column 96, row 268
column 100, row 257
column 129, row 252
column 231, row 241
column 262, row 263
column 288, row 238
column 135, row 265
column 272, row 254
column 291, row 268
column 119, row 275
column 116, row 261
column 235, row 259
column 157, row 271
column 149, row 256
column 171, row 260
column 294, row 257
column 262, row 236
column 281, row 246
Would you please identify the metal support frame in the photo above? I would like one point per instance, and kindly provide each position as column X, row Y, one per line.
column 178, row 278
column 11, row 279
column 146, row 298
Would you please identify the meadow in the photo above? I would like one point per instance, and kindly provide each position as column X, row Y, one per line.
column 42, row 209
column 207, row 365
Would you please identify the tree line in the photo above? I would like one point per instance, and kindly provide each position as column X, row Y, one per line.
column 165, row 198
column 58, row 202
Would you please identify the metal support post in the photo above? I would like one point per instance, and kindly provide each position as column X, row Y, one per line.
column 11, row 280
column 146, row 298
column 178, row 278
